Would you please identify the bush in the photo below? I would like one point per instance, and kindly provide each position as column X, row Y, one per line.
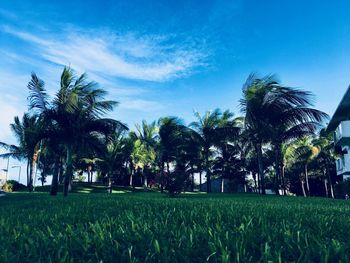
column 176, row 180
column 13, row 186
column 341, row 189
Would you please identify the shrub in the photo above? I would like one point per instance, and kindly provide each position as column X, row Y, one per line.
column 341, row 189
column 13, row 186
column 176, row 180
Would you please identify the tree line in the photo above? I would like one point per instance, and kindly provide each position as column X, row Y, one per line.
column 278, row 143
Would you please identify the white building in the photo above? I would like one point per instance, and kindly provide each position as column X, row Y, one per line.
column 340, row 125
column 2, row 178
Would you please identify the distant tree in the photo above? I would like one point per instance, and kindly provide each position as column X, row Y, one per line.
column 28, row 132
column 208, row 128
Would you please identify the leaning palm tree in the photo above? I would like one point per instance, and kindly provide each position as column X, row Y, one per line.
column 74, row 116
column 290, row 117
column 253, row 105
column 277, row 114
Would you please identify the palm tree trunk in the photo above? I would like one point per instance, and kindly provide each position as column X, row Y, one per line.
column 258, row 149
column 307, row 180
column 109, row 184
column 283, row 181
column 131, row 177
column 32, row 173
column 168, row 168
column 192, row 178
column 277, row 169
column 255, row 184
column 200, row 181
column 207, row 172
column 54, row 183
column 88, row 174
column 61, row 172
column 145, row 173
column 330, row 181
column 28, row 172
column 222, row 185
column 325, row 187
column 303, row 187
column 69, row 171
column 162, row 179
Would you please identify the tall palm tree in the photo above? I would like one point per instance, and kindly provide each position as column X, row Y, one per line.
column 74, row 116
column 290, row 118
column 170, row 142
column 253, row 105
column 277, row 114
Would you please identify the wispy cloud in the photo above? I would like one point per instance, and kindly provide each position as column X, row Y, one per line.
column 10, row 107
column 140, row 104
column 150, row 58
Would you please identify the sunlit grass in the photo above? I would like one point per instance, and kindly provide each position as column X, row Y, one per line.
column 150, row 227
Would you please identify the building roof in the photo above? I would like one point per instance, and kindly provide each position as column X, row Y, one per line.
column 341, row 113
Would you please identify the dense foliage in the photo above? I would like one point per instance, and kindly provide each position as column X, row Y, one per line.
column 13, row 186
column 277, row 144
column 147, row 227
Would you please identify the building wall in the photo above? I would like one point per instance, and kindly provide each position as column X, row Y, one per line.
column 343, row 164
column 229, row 186
column 2, row 178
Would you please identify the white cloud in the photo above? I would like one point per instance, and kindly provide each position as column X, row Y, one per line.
column 149, row 58
column 8, row 111
column 12, row 102
column 140, row 104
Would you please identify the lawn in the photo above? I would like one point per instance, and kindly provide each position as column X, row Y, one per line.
column 150, row 227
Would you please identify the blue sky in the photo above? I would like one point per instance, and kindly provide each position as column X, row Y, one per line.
column 173, row 57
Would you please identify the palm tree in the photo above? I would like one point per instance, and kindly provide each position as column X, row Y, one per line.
column 305, row 152
column 171, row 143
column 28, row 132
column 89, row 165
column 277, row 114
column 325, row 158
column 290, row 118
column 212, row 129
column 144, row 153
column 74, row 116
column 228, row 161
column 206, row 131
column 253, row 105
column 113, row 156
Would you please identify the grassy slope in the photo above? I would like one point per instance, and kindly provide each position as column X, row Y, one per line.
column 141, row 227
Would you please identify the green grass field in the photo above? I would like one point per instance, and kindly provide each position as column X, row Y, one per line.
column 150, row 227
